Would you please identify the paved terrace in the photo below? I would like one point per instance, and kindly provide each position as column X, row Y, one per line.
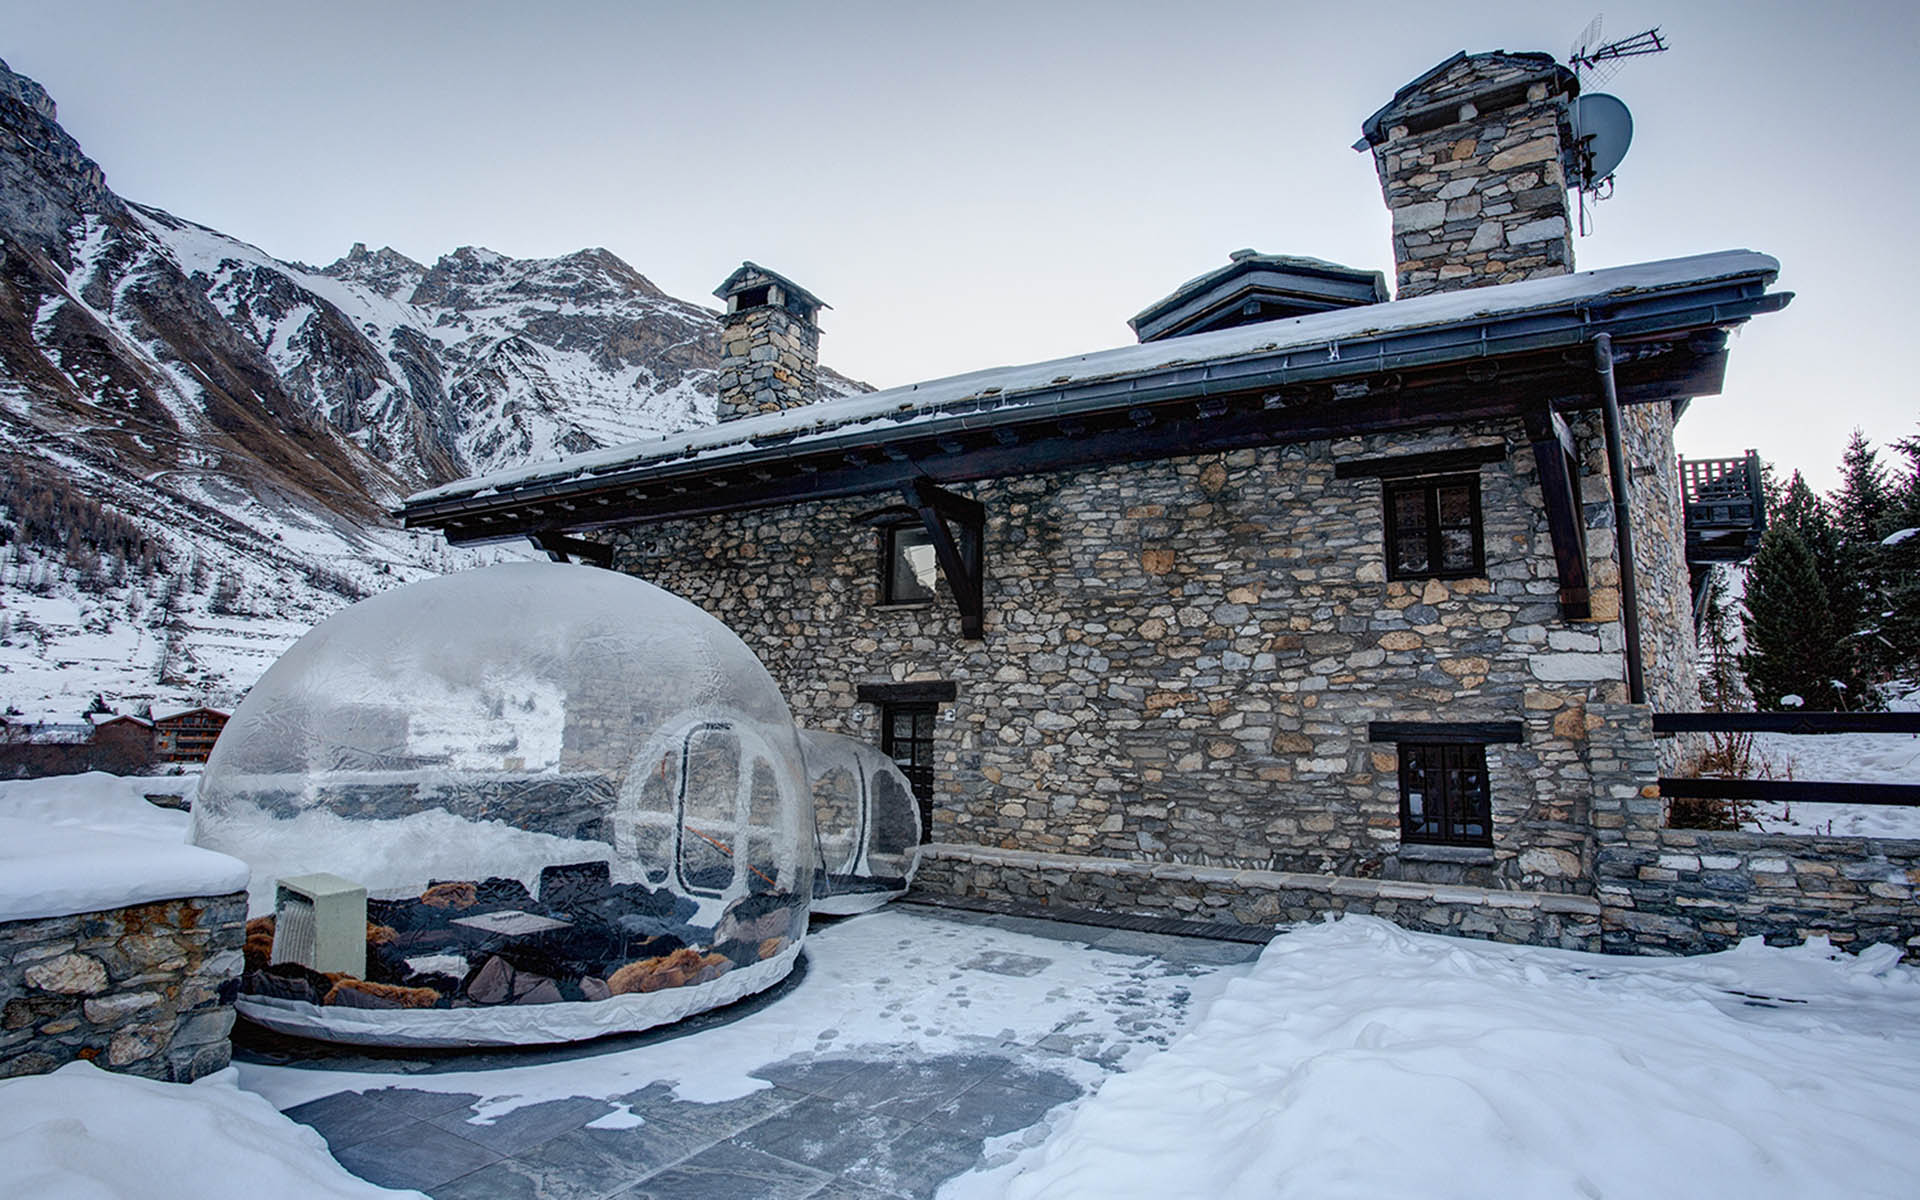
column 918, row 1044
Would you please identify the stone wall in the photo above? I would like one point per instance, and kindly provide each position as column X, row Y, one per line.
column 1481, row 199
column 1182, row 657
column 1251, row 897
column 1689, row 891
column 146, row 989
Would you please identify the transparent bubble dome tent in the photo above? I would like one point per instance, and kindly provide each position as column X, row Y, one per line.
column 866, row 821
column 523, row 804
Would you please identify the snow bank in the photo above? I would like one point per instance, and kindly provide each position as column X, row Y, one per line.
column 1359, row 1060
column 52, row 871
column 1847, row 757
column 82, row 1133
column 83, row 843
column 98, row 801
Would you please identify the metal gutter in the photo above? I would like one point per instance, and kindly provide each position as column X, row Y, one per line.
column 1622, row 522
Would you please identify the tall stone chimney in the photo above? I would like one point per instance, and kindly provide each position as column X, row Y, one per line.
column 1472, row 160
column 769, row 343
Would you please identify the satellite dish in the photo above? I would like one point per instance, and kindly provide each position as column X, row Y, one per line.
column 1602, row 131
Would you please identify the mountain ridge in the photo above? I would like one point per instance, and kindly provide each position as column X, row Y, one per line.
column 255, row 419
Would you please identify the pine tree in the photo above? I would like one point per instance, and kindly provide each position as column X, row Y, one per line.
column 1900, row 567
column 1793, row 644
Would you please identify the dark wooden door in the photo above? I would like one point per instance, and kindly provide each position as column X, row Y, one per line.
column 906, row 734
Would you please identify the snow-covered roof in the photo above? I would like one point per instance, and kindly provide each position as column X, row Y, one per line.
column 1005, row 387
column 174, row 714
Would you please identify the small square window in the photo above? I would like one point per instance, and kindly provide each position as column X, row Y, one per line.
column 1444, row 796
column 908, row 565
column 1433, row 528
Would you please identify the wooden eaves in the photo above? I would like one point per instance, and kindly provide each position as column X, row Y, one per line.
column 1670, row 345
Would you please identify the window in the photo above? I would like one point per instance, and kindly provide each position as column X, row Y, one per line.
column 906, row 736
column 1433, row 527
column 753, row 297
column 908, row 566
column 1444, row 796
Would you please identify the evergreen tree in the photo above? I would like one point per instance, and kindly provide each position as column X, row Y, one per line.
column 1793, row 645
column 1900, row 566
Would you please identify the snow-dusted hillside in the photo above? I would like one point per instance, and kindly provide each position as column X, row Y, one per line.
column 199, row 442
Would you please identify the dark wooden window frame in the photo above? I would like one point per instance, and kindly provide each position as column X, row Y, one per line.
column 1453, row 809
column 891, row 564
column 1429, row 487
column 957, row 527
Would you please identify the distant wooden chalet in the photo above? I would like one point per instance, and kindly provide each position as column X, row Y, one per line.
column 1311, row 600
column 186, row 735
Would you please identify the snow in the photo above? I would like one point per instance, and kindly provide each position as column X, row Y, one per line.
column 86, row 843
column 1898, row 536
column 1359, row 1060
column 389, row 856
column 52, row 871
column 104, row 803
column 999, row 385
column 1841, row 757
column 887, row 983
column 81, row 1133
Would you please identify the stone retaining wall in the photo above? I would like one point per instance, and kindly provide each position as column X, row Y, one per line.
column 1252, row 897
column 1696, row 890
column 147, row 989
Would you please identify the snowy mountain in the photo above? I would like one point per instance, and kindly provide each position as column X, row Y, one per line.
column 199, row 442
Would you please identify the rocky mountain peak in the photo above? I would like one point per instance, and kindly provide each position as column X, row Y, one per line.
column 386, row 270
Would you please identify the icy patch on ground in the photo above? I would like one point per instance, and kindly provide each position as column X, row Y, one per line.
column 82, row 1133
column 1359, row 1060
column 888, row 984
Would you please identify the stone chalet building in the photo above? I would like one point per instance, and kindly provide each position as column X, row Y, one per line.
column 1313, row 600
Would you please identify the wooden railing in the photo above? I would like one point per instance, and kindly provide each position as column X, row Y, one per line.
column 1807, row 791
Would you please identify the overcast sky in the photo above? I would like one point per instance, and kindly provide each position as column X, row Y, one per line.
column 974, row 184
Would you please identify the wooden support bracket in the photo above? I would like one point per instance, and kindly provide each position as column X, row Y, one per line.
column 561, row 548
column 961, row 558
column 1557, row 459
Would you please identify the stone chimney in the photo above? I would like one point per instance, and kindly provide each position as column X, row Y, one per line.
column 769, row 343
column 1472, row 157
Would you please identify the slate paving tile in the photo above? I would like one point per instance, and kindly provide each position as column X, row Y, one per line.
column 422, row 1105
column 989, row 1109
column 1002, row 962
column 722, row 1119
column 910, row 1090
column 1028, row 1077
column 808, row 1075
column 585, row 1164
column 1179, row 949
column 727, row 1171
column 420, row 1156
column 524, row 1128
column 348, row 1118
column 847, row 1189
column 913, row 1165
column 830, row 1135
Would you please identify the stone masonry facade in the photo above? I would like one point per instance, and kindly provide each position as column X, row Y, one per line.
column 1481, row 199
column 146, row 989
column 1180, row 664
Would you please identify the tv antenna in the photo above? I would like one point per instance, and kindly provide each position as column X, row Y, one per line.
column 1602, row 126
column 1595, row 62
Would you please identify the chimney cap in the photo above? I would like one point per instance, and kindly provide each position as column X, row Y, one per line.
column 751, row 275
column 1419, row 98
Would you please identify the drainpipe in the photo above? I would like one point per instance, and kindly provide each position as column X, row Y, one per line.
column 1622, row 524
